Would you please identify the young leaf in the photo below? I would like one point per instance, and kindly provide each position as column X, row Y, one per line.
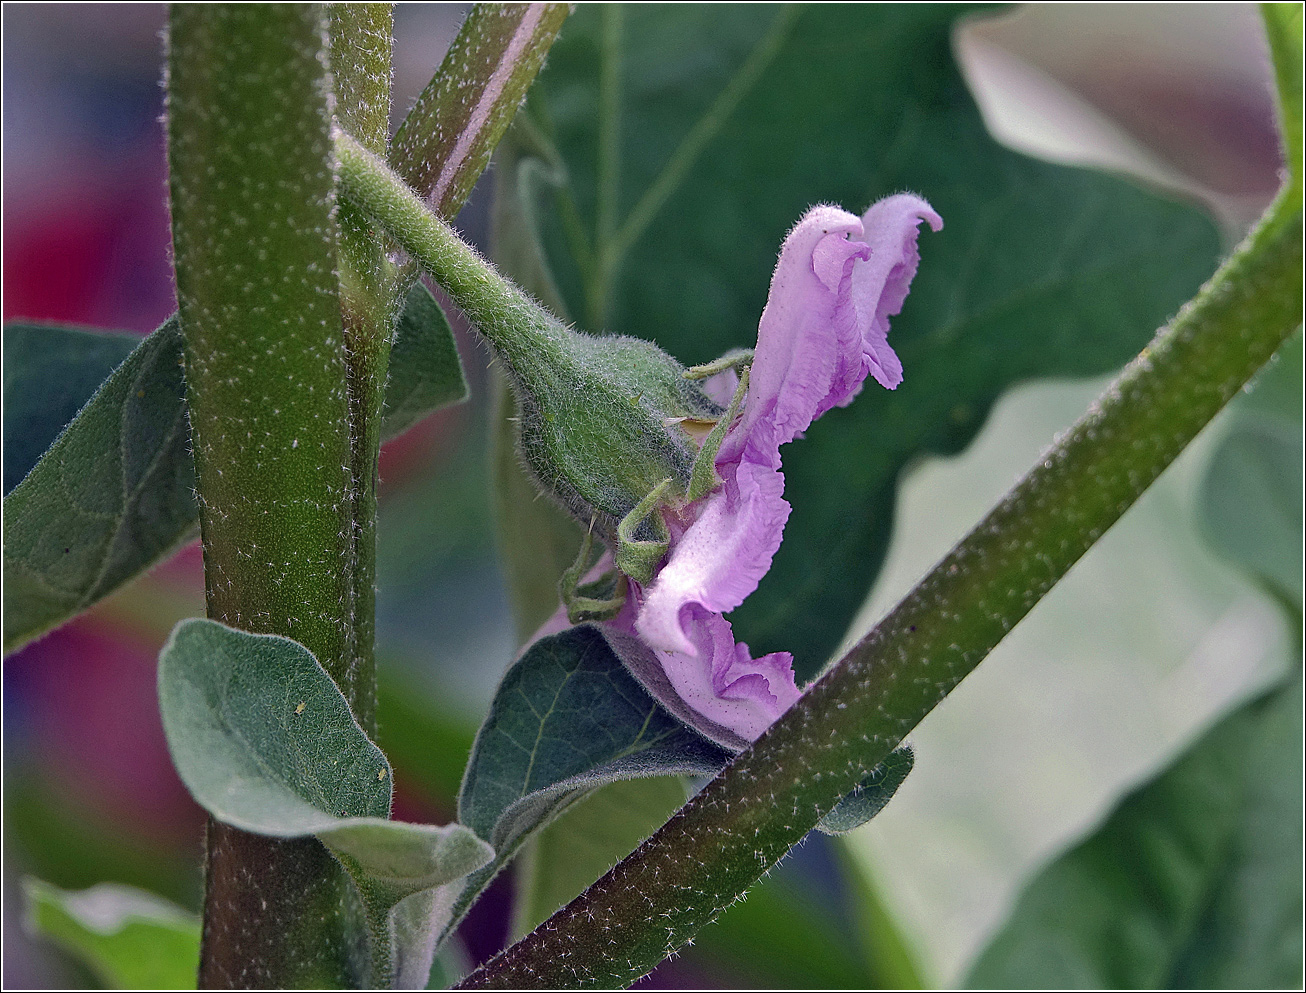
column 130, row 939
column 113, row 495
column 656, row 113
column 445, row 142
column 49, row 373
column 425, row 371
column 264, row 741
column 117, row 488
column 567, row 719
column 1193, row 882
column 871, row 795
column 586, row 840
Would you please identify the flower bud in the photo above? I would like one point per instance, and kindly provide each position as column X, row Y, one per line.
column 600, row 423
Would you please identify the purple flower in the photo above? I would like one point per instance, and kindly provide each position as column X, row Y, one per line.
column 825, row 328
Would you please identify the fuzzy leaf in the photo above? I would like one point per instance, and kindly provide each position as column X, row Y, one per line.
column 1041, row 270
column 425, row 371
column 567, row 718
column 130, row 939
column 111, row 496
column 264, row 740
column 117, row 487
column 66, row 365
column 869, row 798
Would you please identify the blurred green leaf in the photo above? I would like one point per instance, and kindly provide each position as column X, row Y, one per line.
column 426, row 742
column 71, row 845
column 66, row 365
column 891, row 961
column 131, row 939
column 264, row 740
column 1250, row 500
column 692, row 139
column 1193, row 881
column 782, row 936
column 111, row 496
column 115, row 493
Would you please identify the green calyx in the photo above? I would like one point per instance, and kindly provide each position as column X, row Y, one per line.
column 601, row 421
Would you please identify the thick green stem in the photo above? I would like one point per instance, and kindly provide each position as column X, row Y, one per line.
column 370, row 297
column 745, row 820
column 266, row 386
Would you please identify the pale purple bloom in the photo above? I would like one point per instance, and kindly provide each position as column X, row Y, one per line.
column 825, row 328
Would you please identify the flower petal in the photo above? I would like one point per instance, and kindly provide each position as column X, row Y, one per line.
column 726, row 685
column 796, row 356
column 720, row 558
column 880, row 283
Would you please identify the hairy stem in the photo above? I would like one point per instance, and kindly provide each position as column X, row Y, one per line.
column 253, row 206
column 515, row 324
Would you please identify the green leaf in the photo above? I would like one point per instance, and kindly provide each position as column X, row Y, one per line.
column 427, row 741
column 886, row 949
column 586, row 840
column 425, row 371
column 117, row 487
column 1250, row 501
column 1194, row 881
column 264, row 741
column 65, row 365
column 445, row 142
column 871, row 795
column 112, row 496
column 130, row 939
column 567, row 719
column 1041, row 270
column 68, row 843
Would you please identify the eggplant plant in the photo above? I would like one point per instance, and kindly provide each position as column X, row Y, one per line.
column 707, row 388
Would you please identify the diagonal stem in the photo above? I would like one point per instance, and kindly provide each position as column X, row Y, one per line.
column 762, row 804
